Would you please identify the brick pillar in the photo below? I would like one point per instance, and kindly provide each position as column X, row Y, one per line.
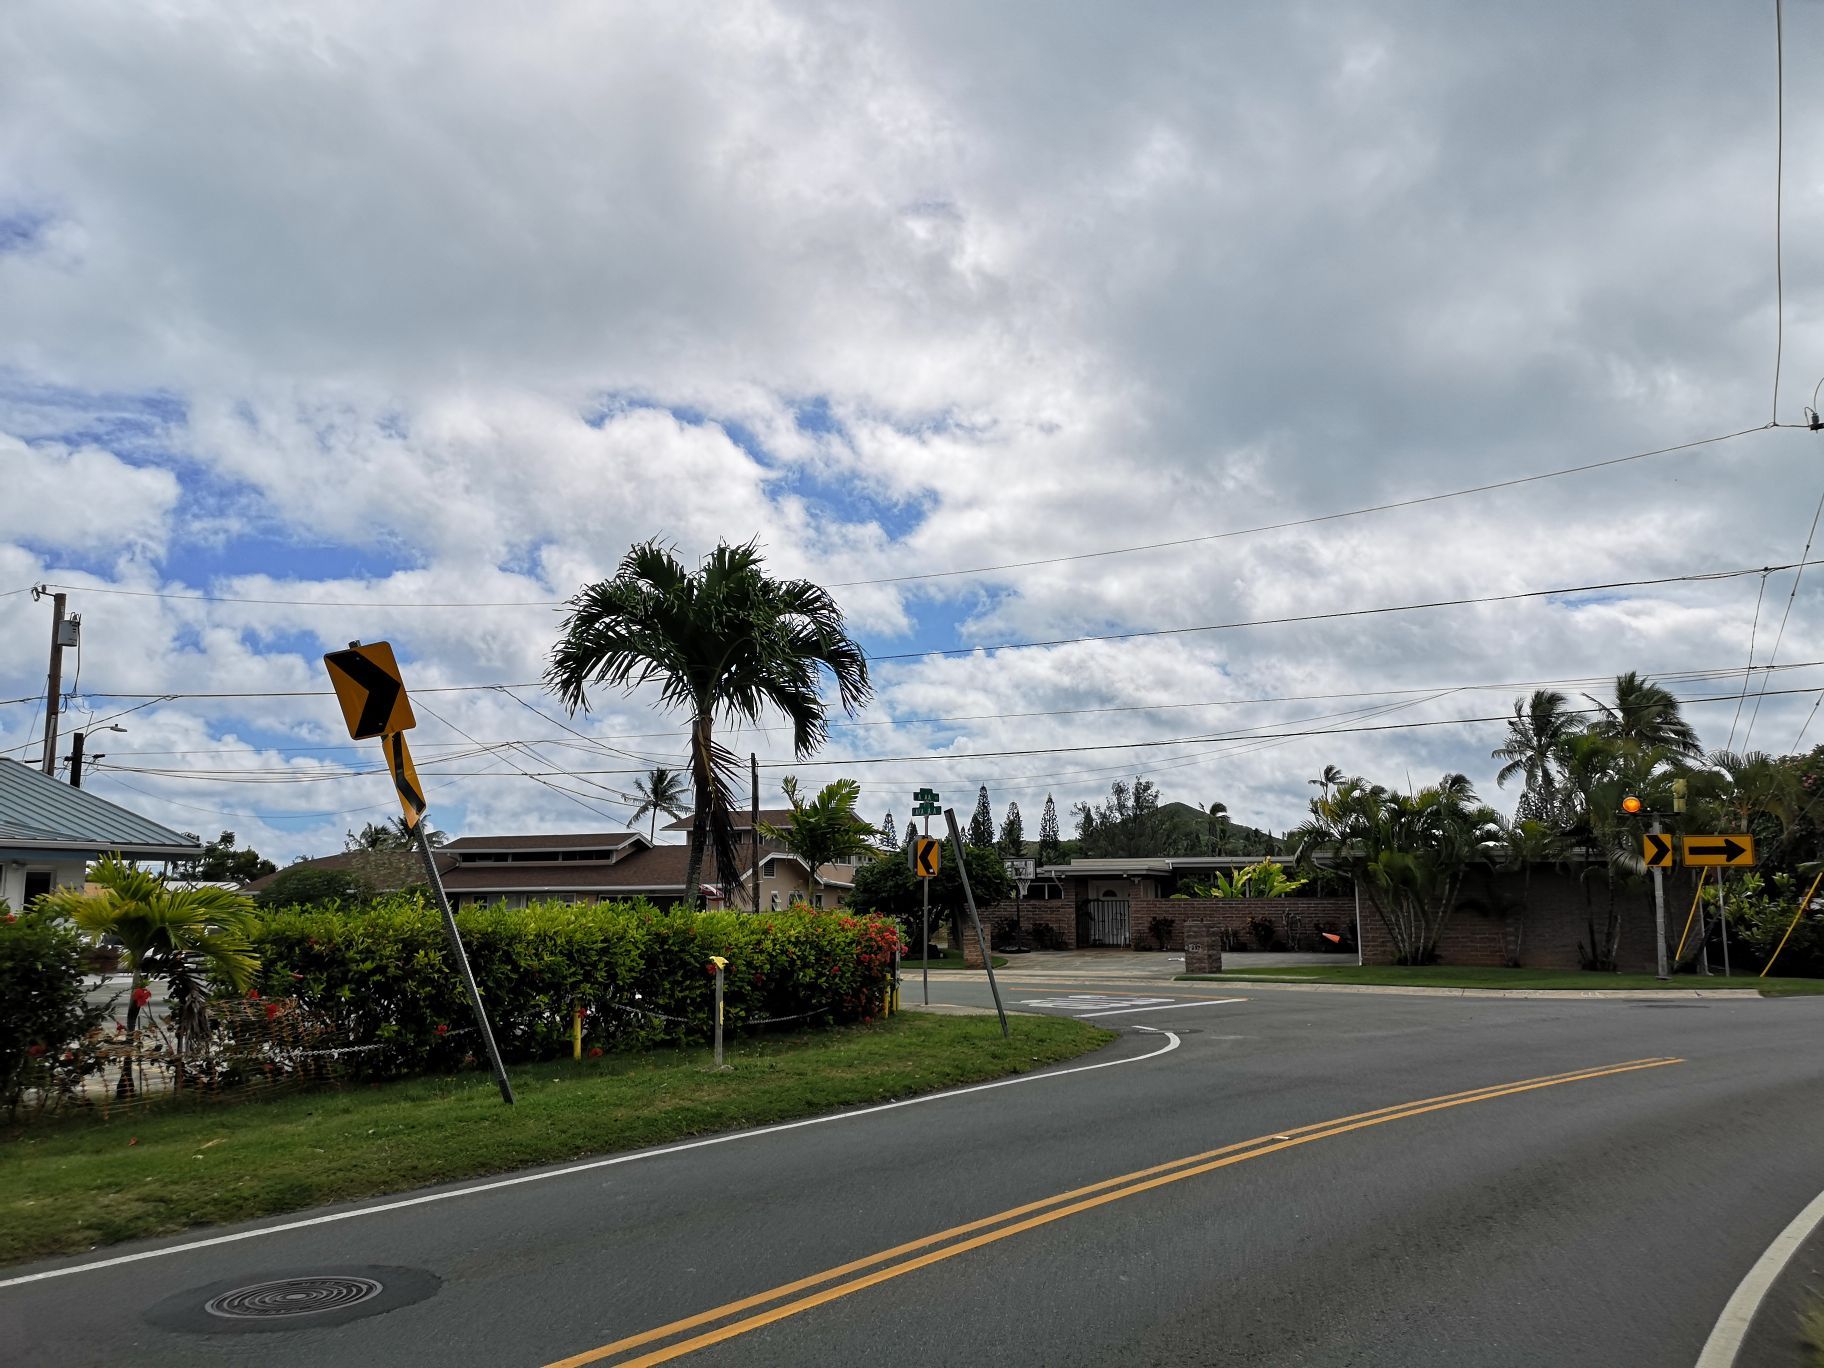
column 972, row 948
column 1202, row 947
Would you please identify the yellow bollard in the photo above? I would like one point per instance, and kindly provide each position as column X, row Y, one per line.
column 576, row 1035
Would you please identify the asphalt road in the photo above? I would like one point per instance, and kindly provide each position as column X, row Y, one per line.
column 1601, row 1219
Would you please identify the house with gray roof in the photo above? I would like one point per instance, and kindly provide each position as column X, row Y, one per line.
column 49, row 832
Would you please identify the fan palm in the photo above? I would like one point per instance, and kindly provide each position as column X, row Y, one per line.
column 162, row 930
column 660, row 791
column 723, row 641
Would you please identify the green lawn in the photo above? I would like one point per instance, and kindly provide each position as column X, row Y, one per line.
column 941, row 959
column 69, row 1184
column 1457, row 976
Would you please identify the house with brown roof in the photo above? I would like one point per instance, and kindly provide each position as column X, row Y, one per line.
column 784, row 877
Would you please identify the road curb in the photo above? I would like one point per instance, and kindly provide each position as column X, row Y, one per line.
column 1534, row 994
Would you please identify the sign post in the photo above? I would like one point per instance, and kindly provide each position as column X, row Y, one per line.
column 924, row 804
column 374, row 703
column 1659, row 905
column 1021, row 871
column 981, row 939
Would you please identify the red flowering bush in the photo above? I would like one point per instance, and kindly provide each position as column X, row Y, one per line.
column 380, row 975
column 141, row 996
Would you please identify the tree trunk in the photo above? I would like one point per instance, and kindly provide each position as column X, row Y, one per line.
column 124, row 1089
column 703, row 780
column 1526, row 908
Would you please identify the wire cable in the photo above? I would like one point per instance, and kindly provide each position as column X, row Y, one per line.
column 1336, row 614
column 1748, row 673
column 1779, row 198
column 1780, row 635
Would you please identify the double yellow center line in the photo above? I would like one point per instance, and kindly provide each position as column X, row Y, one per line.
column 728, row 1321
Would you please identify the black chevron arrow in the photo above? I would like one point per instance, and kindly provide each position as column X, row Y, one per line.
column 1728, row 849
column 382, row 690
column 1659, row 850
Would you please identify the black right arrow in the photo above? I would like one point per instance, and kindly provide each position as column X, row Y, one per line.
column 1659, row 850
column 382, row 691
column 1728, row 849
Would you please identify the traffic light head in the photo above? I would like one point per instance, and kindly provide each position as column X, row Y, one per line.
column 1630, row 805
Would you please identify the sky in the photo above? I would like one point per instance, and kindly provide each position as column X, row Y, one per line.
column 315, row 320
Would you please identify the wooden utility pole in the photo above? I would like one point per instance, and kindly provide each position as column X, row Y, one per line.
column 53, row 690
column 753, row 826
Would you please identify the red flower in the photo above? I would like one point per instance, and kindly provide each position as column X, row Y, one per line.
column 272, row 1010
column 253, row 995
column 11, row 917
column 442, row 1029
column 595, row 1052
column 141, row 996
column 34, row 1050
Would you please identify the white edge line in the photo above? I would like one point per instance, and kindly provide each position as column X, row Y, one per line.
column 1126, row 1011
column 1725, row 1340
column 1172, row 1043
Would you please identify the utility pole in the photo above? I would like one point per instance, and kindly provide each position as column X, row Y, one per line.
column 53, row 690
column 76, row 739
column 753, row 826
column 1659, row 912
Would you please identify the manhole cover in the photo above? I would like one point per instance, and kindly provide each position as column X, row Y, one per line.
column 292, row 1297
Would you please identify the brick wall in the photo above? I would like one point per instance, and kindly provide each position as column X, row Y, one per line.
column 1060, row 914
column 1301, row 916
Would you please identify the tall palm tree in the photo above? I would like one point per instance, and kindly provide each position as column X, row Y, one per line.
column 1535, row 731
column 824, row 829
column 722, row 641
column 162, row 930
column 1329, row 779
column 1219, row 820
column 660, row 791
column 1645, row 714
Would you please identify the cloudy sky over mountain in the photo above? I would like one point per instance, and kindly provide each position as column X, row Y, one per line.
column 416, row 304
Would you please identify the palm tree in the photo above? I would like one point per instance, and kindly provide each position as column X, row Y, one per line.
column 1409, row 851
column 1523, row 844
column 1329, row 779
column 1647, row 715
column 824, row 829
column 1219, row 819
column 393, row 835
column 660, row 791
column 1534, row 733
column 722, row 641
column 163, row 932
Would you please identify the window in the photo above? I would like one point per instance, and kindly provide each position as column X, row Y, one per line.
column 773, row 901
column 38, row 882
column 816, row 900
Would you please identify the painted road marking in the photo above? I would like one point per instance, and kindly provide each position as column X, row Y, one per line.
column 1168, row 1007
column 1090, row 1000
column 997, row 1227
column 1725, row 1340
column 1171, row 1043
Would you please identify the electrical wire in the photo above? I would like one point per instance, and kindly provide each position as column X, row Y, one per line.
column 1334, row 615
column 578, row 799
column 1779, row 200
column 1747, row 674
column 1364, row 511
column 1779, row 636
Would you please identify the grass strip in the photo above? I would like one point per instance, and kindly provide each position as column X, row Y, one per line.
column 70, row 1185
column 1551, row 980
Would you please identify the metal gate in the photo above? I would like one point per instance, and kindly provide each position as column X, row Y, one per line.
column 1108, row 921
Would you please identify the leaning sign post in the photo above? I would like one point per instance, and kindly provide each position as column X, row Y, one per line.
column 374, row 703
column 962, row 872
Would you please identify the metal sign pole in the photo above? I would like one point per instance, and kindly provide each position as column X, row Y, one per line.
column 962, row 872
column 461, row 957
column 924, row 937
column 1659, row 912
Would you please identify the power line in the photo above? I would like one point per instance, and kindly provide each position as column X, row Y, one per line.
column 1345, row 613
column 1390, row 506
column 1779, row 201
column 1748, row 674
column 573, row 797
column 1780, row 635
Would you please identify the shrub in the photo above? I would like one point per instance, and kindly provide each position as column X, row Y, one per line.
column 381, row 976
column 1265, row 934
column 42, row 1010
column 1045, row 936
column 1160, row 929
column 314, row 886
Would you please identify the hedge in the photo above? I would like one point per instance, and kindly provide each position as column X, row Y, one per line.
column 380, row 975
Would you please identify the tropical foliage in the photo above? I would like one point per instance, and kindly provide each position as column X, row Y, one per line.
column 723, row 642
column 824, row 829
column 393, row 835
column 886, row 887
column 1266, row 879
column 380, row 975
column 185, row 936
column 661, row 791
column 1409, row 851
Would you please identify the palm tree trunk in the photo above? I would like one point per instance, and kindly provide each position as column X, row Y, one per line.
column 1526, row 907
column 703, row 781
column 124, row 1089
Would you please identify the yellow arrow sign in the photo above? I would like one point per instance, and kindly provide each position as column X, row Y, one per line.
column 405, row 777
column 925, row 858
column 1656, row 851
column 368, row 686
column 1729, row 852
